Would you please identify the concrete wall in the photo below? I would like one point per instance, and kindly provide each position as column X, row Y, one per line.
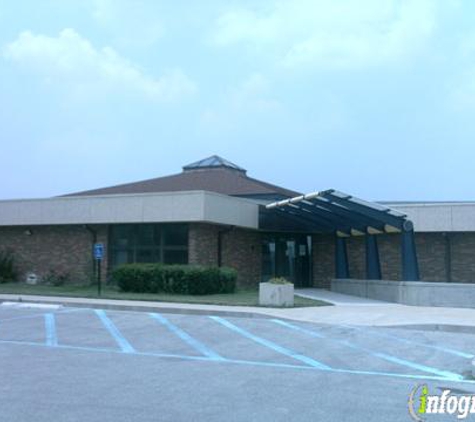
column 193, row 206
column 460, row 295
column 439, row 217
column 64, row 249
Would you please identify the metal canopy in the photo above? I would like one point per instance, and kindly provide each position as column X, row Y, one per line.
column 332, row 211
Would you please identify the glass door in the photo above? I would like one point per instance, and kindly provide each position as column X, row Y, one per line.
column 287, row 256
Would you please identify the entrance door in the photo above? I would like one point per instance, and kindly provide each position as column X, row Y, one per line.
column 303, row 261
column 287, row 256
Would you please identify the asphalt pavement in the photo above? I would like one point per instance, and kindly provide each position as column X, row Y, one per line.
column 81, row 364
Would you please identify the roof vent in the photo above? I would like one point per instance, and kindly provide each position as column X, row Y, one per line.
column 214, row 161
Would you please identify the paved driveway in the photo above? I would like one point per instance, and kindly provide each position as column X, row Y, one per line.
column 94, row 365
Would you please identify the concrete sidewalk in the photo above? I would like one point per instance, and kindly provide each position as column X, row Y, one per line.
column 336, row 298
column 346, row 311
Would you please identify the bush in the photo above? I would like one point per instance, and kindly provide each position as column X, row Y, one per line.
column 176, row 279
column 279, row 280
column 7, row 267
column 55, row 278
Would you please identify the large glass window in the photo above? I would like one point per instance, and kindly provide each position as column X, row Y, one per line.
column 142, row 243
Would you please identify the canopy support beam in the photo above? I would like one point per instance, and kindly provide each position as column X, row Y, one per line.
column 373, row 266
column 410, row 266
column 341, row 258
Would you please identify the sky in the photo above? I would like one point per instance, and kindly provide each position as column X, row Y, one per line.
column 372, row 97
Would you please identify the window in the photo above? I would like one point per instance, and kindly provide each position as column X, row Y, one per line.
column 145, row 243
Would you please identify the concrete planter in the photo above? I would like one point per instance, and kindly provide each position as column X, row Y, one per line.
column 31, row 278
column 281, row 295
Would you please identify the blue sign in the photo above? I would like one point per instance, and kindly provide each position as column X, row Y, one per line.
column 98, row 251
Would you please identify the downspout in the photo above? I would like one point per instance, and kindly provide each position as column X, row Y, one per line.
column 94, row 240
column 220, row 244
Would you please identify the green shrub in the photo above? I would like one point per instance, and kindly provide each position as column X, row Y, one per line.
column 7, row 267
column 138, row 278
column 176, row 279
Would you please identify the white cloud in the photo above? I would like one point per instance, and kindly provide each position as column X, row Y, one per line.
column 250, row 98
column 253, row 94
column 72, row 60
column 136, row 23
column 333, row 33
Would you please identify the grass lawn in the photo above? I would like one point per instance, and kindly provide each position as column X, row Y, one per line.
column 240, row 298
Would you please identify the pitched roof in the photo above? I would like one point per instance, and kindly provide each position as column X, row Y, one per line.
column 213, row 174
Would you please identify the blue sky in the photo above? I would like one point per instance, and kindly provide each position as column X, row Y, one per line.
column 372, row 97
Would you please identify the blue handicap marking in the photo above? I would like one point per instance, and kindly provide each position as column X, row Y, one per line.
column 122, row 342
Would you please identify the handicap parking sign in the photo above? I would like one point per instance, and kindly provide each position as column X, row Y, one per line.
column 98, row 251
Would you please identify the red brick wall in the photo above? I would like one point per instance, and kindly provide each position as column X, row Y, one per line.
column 66, row 248
column 431, row 251
column 389, row 246
column 463, row 256
column 241, row 250
column 356, row 256
column 323, row 254
column 431, row 256
column 203, row 244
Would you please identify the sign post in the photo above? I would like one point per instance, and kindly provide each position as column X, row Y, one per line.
column 98, row 256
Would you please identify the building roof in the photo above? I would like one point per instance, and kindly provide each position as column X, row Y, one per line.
column 213, row 174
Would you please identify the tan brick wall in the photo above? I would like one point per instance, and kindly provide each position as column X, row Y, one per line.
column 65, row 248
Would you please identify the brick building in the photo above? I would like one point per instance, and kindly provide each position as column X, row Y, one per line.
column 213, row 213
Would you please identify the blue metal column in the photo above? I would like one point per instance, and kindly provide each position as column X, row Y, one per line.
column 341, row 258
column 410, row 267
column 373, row 266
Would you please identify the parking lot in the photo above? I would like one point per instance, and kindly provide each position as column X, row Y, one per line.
column 71, row 364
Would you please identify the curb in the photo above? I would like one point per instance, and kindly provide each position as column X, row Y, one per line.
column 447, row 328
column 164, row 307
column 140, row 308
